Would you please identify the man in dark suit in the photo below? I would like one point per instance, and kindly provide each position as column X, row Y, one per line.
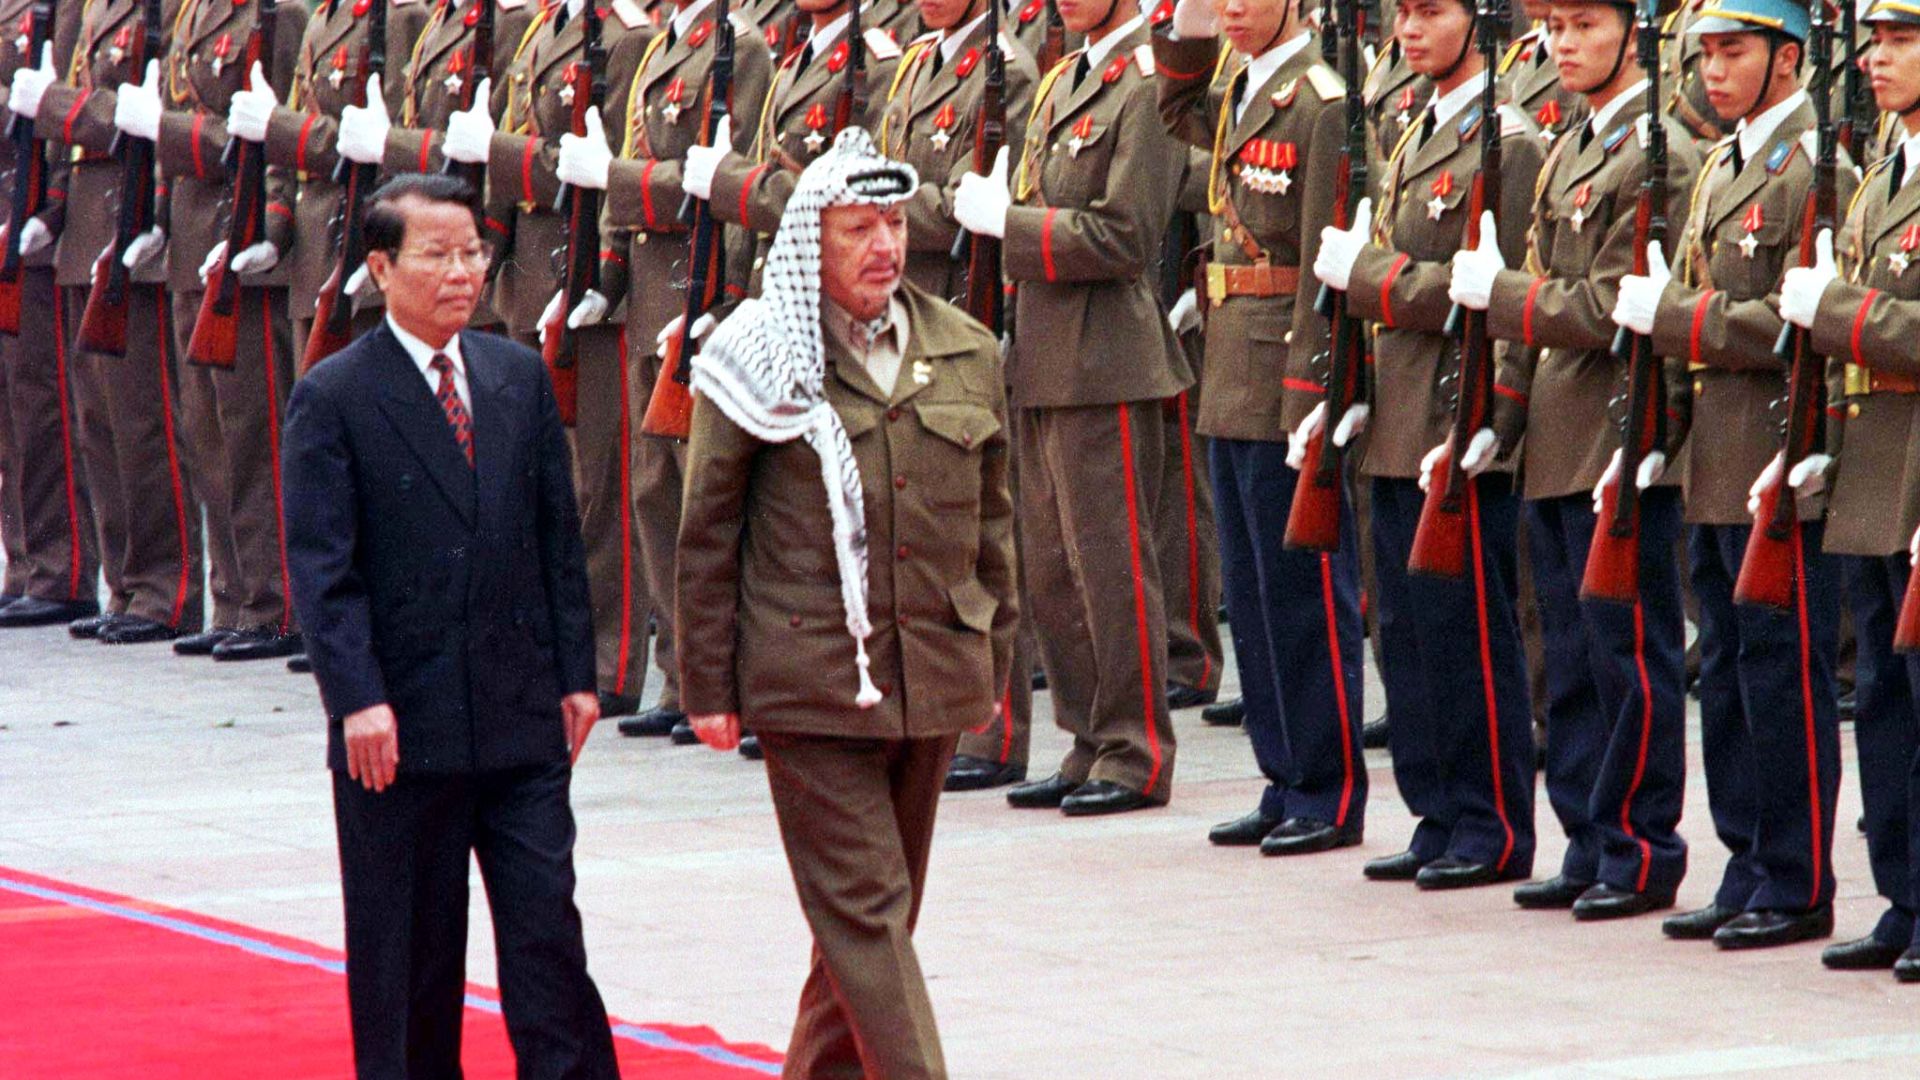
column 438, row 569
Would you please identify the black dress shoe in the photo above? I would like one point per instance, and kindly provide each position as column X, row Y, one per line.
column 1765, row 929
column 969, row 773
column 612, row 704
column 1189, row 697
column 1402, row 867
column 683, row 733
column 1907, row 968
column 1453, row 872
column 1556, row 893
column 750, row 747
column 1863, row 954
column 1373, row 734
column 1603, row 901
column 89, row 627
column 1305, row 836
column 1698, row 925
column 654, row 723
column 33, row 611
column 1229, row 713
column 300, row 664
column 134, row 630
column 1102, row 797
column 201, row 644
column 8, row 598
column 257, row 643
column 1244, row 831
column 1040, row 794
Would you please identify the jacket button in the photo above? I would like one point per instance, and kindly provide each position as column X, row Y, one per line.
column 893, row 413
column 904, row 619
column 899, row 483
column 793, row 621
column 901, row 552
column 966, row 439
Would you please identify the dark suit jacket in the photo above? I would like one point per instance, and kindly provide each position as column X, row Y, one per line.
column 456, row 595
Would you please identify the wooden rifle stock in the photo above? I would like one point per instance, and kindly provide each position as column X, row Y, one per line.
column 1053, row 43
column 29, row 177
column 333, row 312
column 216, row 328
column 560, row 345
column 103, row 323
column 986, row 293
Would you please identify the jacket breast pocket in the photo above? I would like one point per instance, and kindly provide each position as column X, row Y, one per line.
column 1747, row 270
column 1578, row 233
column 1077, row 164
column 951, row 476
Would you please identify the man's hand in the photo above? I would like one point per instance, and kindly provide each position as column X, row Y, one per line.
column 1639, row 297
column 1474, row 268
column 702, row 326
column 586, row 159
column 1653, row 465
column 136, row 108
column 980, row 203
column 30, row 84
column 718, row 730
column 34, row 236
column 1340, row 248
column 212, row 260
column 256, row 258
column 373, row 747
column 580, row 711
column 363, row 131
column 250, row 111
column 1803, row 286
column 1185, row 316
column 144, row 246
column 470, row 131
column 696, row 173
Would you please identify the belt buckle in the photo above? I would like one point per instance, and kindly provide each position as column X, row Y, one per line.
column 1859, row 381
column 1217, row 283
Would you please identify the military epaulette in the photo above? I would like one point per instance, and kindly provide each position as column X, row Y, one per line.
column 880, row 44
column 510, row 5
column 1810, row 142
column 1284, row 96
column 1143, row 59
column 629, row 14
column 1782, row 154
column 1521, row 48
column 1006, row 43
column 1326, row 82
column 1513, row 122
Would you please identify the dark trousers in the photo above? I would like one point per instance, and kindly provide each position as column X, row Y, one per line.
column 1295, row 620
column 1456, row 682
column 1616, row 709
column 1888, row 737
column 403, row 870
column 1769, row 732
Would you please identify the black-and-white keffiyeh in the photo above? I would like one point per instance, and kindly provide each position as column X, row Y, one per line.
column 766, row 365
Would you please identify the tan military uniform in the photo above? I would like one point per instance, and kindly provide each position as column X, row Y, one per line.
column 1530, row 81
column 1394, row 95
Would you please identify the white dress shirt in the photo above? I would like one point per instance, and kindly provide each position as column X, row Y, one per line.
column 1262, row 67
column 422, row 355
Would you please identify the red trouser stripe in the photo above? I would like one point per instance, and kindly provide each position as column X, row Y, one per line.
column 1139, row 600
column 1806, row 713
column 273, row 444
column 1006, row 720
column 75, row 582
column 1646, row 736
column 165, row 352
column 1339, row 687
column 624, row 655
column 1193, row 538
column 1486, row 671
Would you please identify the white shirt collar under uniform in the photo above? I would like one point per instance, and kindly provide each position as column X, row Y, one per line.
column 823, row 38
column 1262, row 67
column 683, row 19
column 1753, row 136
column 950, row 41
column 1455, row 101
column 422, row 355
column 1098, row 52
column 1602, row 117
column 1910, row 146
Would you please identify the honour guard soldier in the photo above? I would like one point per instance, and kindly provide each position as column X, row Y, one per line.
column 140, row 470
column 1680, row 66
column 1770, row 739
column 1616, row 711
column 1462, row 738
column 1393, row 93
column 782, row 25
column 1868, row 321
column 1531, row 82
column 1038, row 28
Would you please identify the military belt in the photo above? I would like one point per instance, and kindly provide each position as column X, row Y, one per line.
column 1865, row 380
column 1260, row 279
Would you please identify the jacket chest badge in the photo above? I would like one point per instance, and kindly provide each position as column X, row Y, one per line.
column 1442, row 187
column 1266, row 165
column 1082, row 135
column 1548, row 118
column 118, row 50
column 942, row 125
column 456, row 72
column 676, row 93
column 23, row 40
column 1898, row 260
column 1582, row 195
column 816, row 121
column 922, row 372
column 222, row 48
column 1756, row 218
column 1405, row 105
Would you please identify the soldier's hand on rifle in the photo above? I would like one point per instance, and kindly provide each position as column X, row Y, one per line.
column 34, row 236
column 1807, row 478
column 980, row 203
column 1652, row 467
column 702, row 326
column 212, row 260
column 591, row 309
column 470, row 131
column 256, row 258
column 361, row 282
column 363, row 131
column 1475, row 268
column 30, row 84
column 1640, row 293
column 1803, row 286
column 1185, row 316
column 1482, row 451
column 144, row 246
column 696, row 175
column 136, row 108
column 1352, row 423
column 586, row 159
column 1195, row 19
column 252, row 109
column 1340, row 248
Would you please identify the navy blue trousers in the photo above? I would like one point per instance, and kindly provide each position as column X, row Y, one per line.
column 1887, row 735
column 1616, row 712
column 1295, row 619
column 1456, row 682
column 1769, row 728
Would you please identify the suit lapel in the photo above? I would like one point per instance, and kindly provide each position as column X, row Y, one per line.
column 412, row 410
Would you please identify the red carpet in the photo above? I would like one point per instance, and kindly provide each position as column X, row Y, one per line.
column 100, row 986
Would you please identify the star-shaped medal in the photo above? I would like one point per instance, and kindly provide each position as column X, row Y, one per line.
column 335, row 77
column 115, row 54
column 1282, row 182
column 566, row 94
column 814, row 141
column 1435, row 207
column 1578, row 218
column 453, row 82
column 22, row 43
column 671, row 112
column 940, row 139
column 1403, row 118
column 1074, row 143
column 1897, row 262
column 1748, row 245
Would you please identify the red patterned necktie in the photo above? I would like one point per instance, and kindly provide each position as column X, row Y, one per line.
column 456, row 410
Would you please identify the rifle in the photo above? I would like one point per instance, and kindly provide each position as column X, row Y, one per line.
column 581, row 255
column 1313, row 521
column 29, row 176
column 1440, row 539
column 1854, row 92
column 479, row 70
column 670, row 407
column 851, row 106
column 103, row 325
column 216, row 329
column 1053, row 44
column 986, row 294
column 333, row 313
column 1613, row 558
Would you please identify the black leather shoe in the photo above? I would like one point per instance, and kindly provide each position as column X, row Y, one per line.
column 683, row 733
column 654, row 723
column 1040, row 794
column 33, row 611
column 300, row 664
column 750, row 747
column 969, row 773
column 1244, row 831
column 1603, row 901
column 1765, row 929
column 1907, row 968
column 1229, row 713
column 612, row 704
column 258, row 643
column 1698, row 925
column 1862, row 954
column 1102, row 797
column 1305, row 836
column 1373, row 734
column 1450, row 872
column 8, row 598
column 201, row 644
column 1402, row 867
column 1189, row 697
column 89, row 628
column 1556, row 893
column 134, row 630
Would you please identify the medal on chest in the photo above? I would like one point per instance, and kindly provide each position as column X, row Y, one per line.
column 1082, row 132
column 816, row 121
column 1266, row 165
column 1752, row 222
column 1442, row 187
column 1582, row 195
column 121, row 40
column 23, row 38
column 337, row 68
column 566, row 89
column 1548, row 117
column 676, row 92
column 1898, row 261
column 942, row 121
column 456, row 72
column 1405, row 105
column 222, row 48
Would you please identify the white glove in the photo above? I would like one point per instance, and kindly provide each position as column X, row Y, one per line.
column 1427, row 465
column 251, row 109
column 1913, row 546
column 212, row 260
column 30, row 84
column 1474, row 268
column 256, row 258
column 1185, row 315
column 702, row 326
column 1652, row 467
column 586, row 159
column 1640, row 293
column 591, row 309
column 363, row 131
column 1340, row 248
column 696, row 173
column 1807, row 478
column 1482, row 450
column 1352, row 423
column 980, row 203
column 1195, row 19
column 470, row 131
column 136, row 107
column 34, row 236
column 1803, row 286
column 145, row 245
column 360, row 282
column 1299, row 437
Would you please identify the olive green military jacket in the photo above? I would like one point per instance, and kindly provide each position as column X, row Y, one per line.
column 1530, row 82
column 762, row 631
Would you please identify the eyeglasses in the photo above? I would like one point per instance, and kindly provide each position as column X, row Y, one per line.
column 475, row 259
